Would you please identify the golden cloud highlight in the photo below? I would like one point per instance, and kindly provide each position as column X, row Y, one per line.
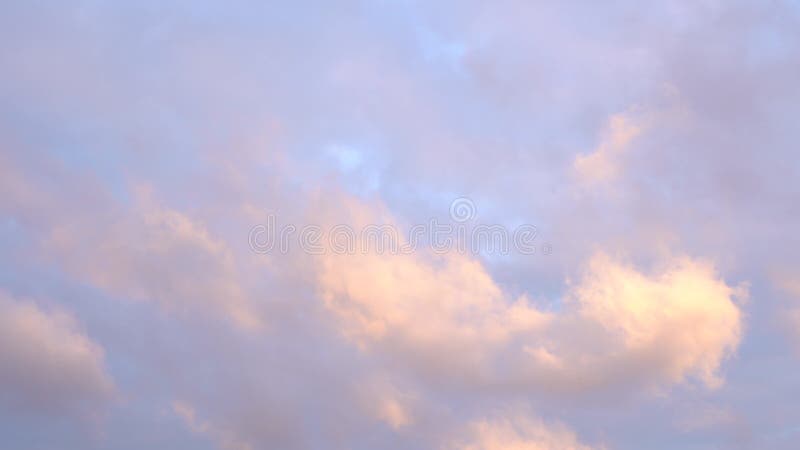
column 616, row 326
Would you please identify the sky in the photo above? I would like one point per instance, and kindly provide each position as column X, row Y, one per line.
column 189, row 193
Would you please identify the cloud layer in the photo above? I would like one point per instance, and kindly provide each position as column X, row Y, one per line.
column 653, row 147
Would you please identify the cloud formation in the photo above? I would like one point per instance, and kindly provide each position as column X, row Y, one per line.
column 156, row 254
column 446, row 315
column 654, row 147
column 49, row 365
column 602, row 164
column 518, row 433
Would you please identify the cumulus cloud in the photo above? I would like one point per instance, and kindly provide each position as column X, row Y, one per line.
column 681, row 320
column 617, row 325
column 48, row 364
column 452, row 305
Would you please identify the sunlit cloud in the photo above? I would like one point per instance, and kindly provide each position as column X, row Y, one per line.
column 399, row 225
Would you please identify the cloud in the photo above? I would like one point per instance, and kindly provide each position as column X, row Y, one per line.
column 413, row 104
column 387, row 403
column 157, row 254
column 445, row 311
column 617, row 326
column 682, row 319
column 142, row 250
column 49, row 365
column 517, row 432
column 603, row 163
column 391, row 411
column 226, row 439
